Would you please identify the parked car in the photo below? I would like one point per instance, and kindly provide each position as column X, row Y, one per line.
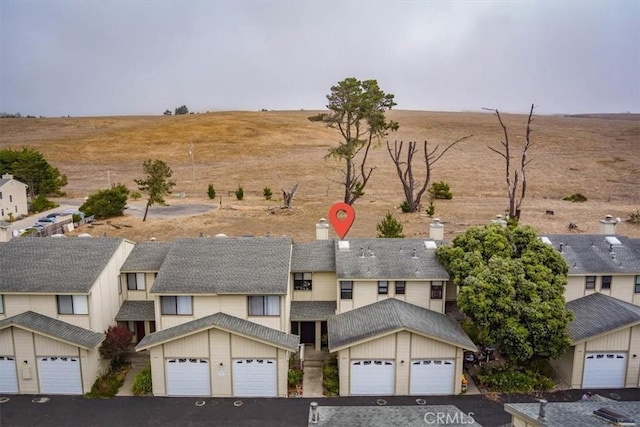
column 74, row 212
column 46, row 221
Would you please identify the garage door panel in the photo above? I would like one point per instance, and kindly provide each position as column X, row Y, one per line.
column 372, row 378
column 188, row 377
column 604, row 370
column 429, row 377
column 8, row 375
column 255, row 378
column 60, row 375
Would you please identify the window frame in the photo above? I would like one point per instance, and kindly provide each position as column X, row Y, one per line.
column 383, row 287
column 590, row 282
column 265, row 305
column 608, row 282
column 79, row 304
column 346, row 289
column 436, row 290
column 1, row 304
column 138, row 282
column 637, row 287
column 302, row 281
column 403, row 287
column 172, row 301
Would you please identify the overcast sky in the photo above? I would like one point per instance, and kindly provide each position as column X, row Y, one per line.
column 141, row 57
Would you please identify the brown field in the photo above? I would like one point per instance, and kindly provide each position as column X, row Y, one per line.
column 596, row 155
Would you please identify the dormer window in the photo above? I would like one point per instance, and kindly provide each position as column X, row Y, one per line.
column 302, row 282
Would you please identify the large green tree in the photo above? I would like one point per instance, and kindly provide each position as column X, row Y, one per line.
column 511, row 285
column 106, row 203
column 156, row 183
column 30, row 167
column 357, row 110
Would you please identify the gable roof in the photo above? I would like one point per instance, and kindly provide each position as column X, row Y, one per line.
column 314, row 256
column 391, row 315
column 592, row 253
column 146, row 256
column 388, row 259
column 62, row 331
column 136, row 310
column 312, row 310
column 597, row 313
column 226, row 323
column 4, row 181
column 224, row 265
column 41, row 265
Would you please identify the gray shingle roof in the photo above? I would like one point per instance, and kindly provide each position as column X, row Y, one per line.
column 4, row 181
column 224, row 322
column 54, row 265
column 55, row 328
column 224, row 265
column 572, row 414
column 313, row 256
column 388, row 259
column 136, row 311
column 391, row 315
column 598, row 313
column 312, row 310
column 591, row 253
column 147, row 256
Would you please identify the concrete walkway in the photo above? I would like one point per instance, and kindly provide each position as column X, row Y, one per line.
column 312, row 378
column 139, row 361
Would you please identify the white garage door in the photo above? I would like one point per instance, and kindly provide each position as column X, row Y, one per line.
column 255, row 378
column 188, row 377
column 604, row 370
column 432, row 376
column 8, row 375
column 59, row 375
column 372, row 377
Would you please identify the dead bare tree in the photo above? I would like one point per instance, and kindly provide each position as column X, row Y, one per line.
column 413, row 192
column 288, row 197
column 519, row 173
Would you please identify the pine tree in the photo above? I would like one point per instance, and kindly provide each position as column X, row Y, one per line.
column 389, row 227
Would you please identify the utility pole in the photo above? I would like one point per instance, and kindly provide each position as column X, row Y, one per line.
column 193, row 168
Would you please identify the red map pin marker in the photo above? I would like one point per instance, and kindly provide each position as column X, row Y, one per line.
column 341, row 225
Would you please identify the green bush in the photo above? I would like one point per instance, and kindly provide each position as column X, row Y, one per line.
column 440, row 190
column 106, row 203
column 576, row 198
column 41, row 203
column 405, row 207
column 330, row 377
column 142, row 384
column 267, row 193
column 108, row 384
column 294, row 376
column 431, row 209
column 211, row 192
column 239, row 193
column 509, row 380
column 135, row 195
column 540, row 366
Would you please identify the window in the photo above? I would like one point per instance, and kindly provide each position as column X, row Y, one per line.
column 10, row 198
column 1, row 304
column 346, row 289
column 590, row 282
column 73, row 304
column 637, row 284
column 0, row 195
column 176, row 305
column 383, row 287
column 119, row 285
column 436, row 290
column 302, row 281
column 268, row 305
column 400, row 286
column 606, row 282
column 135, row 281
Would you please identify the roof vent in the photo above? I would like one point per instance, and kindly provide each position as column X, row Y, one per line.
column 343, row 245
column 545, row 240
column 613, row 241
column 361, row 252
column 414, row 253
column 616, row 418
column 430, row 244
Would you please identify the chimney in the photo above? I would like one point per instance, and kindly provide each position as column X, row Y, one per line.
column 499, row 221
column 322, row 230
column 7, row 176
column 608, row 225
column 542, row 413
column 436, row 230
column 314, row 412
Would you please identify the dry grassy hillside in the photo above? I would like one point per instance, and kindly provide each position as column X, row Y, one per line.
column 598, row 156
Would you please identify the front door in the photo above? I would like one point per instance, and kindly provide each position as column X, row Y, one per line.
column 308, row 333
column 139, row 331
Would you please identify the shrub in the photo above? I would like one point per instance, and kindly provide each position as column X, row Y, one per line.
column 440, row 190
column 576, row 198
column 239, row 193
column 330, row 377
column 41, row 203
column 267, row 193
column 540, row 366
column 142, row 384
column 76, row 218
column 106, row 203
column 509, row 380
column 389, row 227
column 211, row 192
column 116, row 345
column 431, row 209
column 108, row 384
column 294, row 376
column 136, row 195
column 405, row 207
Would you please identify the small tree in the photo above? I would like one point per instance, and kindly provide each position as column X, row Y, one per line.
column 513, row 176
column 116, row 345
column 267, row 193
column 135, row 195
column 106, row 203
column 156, row 183
column 181, row 110
column 211, row 192
column 240, row 193
column 30, row 167
column 440, row 190
column 167, row 112
column 389, row 227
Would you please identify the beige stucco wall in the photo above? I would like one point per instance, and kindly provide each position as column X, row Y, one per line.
column 615, row 341
column 25, row 352
column 194, row 346
column 6, row 342
column 622, row 287
column 46, row 346
column 156, row 359
column 323, row 289
column 220, row 350
column 19, row 303
column 14, row 199
column 365, row 292
column 401, row 347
